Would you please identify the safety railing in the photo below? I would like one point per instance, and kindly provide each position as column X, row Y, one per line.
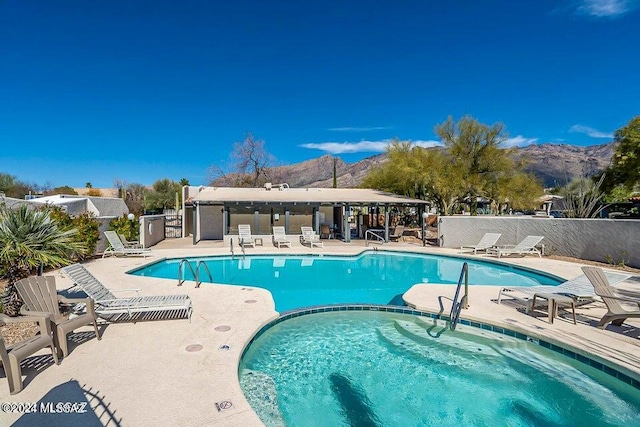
column 202, row 263
column 464, row 302
column 194, row 272
column 181, row 278
column 371, row 235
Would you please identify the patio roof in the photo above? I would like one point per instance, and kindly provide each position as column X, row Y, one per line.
column 217, row 195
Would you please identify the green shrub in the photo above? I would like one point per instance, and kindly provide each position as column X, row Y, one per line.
column 86, row 224
column 130, row 229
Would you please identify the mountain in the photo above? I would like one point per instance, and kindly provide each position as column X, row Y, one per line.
column 558, row 164
column 553, row 164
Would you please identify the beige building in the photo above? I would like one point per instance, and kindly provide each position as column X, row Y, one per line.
column 211, row 213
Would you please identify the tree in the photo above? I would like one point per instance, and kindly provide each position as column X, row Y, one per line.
column 183, row 182
column 121, row 185
column 162, row 195
column 418, row 172
column 625, row 164
column 10, row 186
column 88, row 185
column 251, row 161
column 29, row 238
column 94, row 192
column 475, row 151
column 470, row 165
column 134, row 199
column 65, row 189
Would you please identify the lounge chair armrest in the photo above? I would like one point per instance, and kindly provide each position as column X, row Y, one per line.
column 137, row 291
column 66, row 300
column 35, row 314
column 623, row 298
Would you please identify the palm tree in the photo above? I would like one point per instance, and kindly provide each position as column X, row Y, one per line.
column 29, row 239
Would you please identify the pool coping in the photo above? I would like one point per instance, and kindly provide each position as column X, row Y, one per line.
column 603, row 365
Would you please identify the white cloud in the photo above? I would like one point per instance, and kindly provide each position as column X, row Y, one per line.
column 606, row 8
column 362, row 146
column 358, row 129
column 519, row 141
column 593, row 133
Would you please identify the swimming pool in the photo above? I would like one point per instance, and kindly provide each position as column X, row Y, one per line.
column 375, row 277
column 388, row 369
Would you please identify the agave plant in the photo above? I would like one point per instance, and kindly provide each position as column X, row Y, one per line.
column 29, row 239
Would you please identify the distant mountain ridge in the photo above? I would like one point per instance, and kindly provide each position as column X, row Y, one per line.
column 553, row 164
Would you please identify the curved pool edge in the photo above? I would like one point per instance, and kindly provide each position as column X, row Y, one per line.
column 565, row 341
column 359, row 253
column 603, row 364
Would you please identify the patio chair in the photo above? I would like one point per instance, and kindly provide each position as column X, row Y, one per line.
column 280, row 237
column 526, row 246
column 129, row 243
column 41, row 298
column 579, row 288
column 116, row 247
column 398, row 233
column 326, row 232
column 616, row 313
column 108, row 306
column 244, row 233
column 310, row 237
column 12, row 355
column 487, row 241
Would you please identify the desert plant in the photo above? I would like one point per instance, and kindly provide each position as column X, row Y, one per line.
column 29, row 239
column 582, row 198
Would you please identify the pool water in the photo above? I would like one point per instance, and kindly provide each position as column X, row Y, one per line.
column 371, row 368
column 372, row 277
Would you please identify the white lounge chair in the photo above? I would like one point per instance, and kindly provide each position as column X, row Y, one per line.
column 526, row 246
column 108, row 306
column 129, row 243
column 310, row 237
column 616, row 313
column 280, row 237
column 116, row 247
column 487, row 241
column 579, row 288
column 244, row 234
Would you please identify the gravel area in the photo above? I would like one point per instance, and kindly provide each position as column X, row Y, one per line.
column 16, row 332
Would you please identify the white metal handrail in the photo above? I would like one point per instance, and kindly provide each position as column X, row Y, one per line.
column 202, row 263
column 181, row 279
column 377, row 238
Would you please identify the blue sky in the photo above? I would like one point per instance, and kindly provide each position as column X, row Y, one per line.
column 92, row 91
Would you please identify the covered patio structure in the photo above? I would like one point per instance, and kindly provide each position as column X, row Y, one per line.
column 212, row 213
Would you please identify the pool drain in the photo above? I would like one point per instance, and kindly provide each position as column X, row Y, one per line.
column 224, row 405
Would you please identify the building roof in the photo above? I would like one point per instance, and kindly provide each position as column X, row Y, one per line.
column 217, row 195
column 76, row 205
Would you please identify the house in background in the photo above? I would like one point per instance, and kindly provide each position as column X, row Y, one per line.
column 212, row 213
column 77, row 205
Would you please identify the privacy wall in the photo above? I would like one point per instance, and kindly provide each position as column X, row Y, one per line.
column 605, row 240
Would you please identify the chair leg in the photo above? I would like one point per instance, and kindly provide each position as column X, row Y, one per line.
column 54, row 354
column 95, row 328
column 60, row 339
column 14, row 375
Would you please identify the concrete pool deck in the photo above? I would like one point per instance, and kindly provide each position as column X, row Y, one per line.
column 174, row 372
